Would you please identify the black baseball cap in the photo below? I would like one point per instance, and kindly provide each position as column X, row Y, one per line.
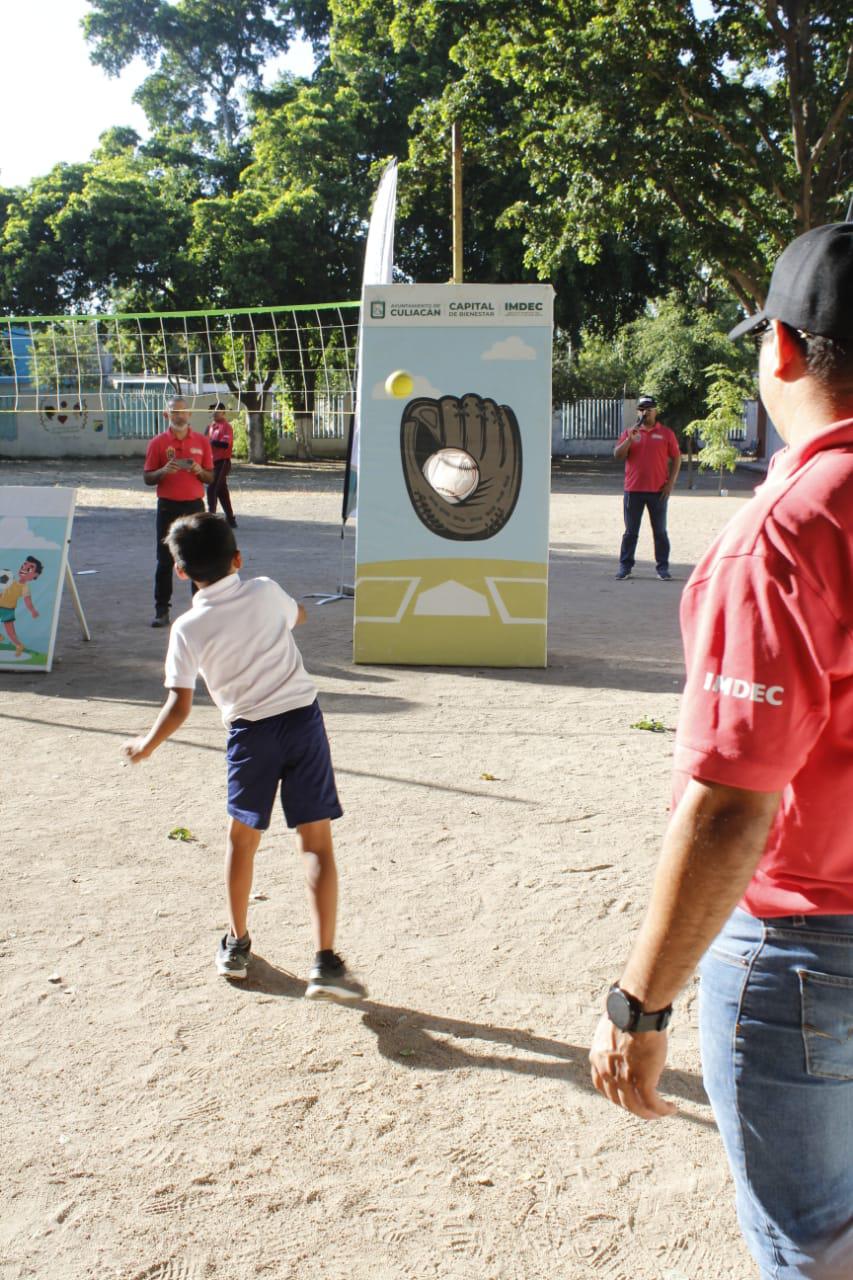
column 647, row 402
column 812, row 285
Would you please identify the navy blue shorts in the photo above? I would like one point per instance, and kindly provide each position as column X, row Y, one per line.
column 291, row 748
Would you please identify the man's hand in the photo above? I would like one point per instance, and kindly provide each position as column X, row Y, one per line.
column 626, row 1069
column 137, row 749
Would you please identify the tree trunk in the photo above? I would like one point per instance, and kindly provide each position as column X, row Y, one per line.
column 257, row 445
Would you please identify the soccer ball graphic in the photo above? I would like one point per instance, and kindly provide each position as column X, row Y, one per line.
column 6, row 578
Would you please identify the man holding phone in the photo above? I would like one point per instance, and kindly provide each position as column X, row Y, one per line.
column 652, row 463
column 179, row 463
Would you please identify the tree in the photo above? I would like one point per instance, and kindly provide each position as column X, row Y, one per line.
column 110, row 232
column 727, row 391
column 202, row 53
column 667, row 352
column 731, row 133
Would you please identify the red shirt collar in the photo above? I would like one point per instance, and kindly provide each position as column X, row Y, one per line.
column 790, row 459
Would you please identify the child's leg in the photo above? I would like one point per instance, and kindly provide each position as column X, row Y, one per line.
column 321, row 880
column 9, row 628
column 240, row 850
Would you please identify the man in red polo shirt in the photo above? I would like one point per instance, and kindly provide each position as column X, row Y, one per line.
column 652, row 463
column 756, row 869
column 179, row 463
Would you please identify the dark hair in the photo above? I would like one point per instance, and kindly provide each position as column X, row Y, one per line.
column 203, row 546
column 38, row 564
column 828, row 360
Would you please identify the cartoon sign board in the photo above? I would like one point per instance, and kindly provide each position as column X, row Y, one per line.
column 454, row 475
column 35, row 529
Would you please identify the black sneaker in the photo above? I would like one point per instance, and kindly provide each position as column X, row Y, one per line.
column 329, row 979
column 664, row 575
column 161, row 618
column 232, row 522
column 622, row 574
column 232, row 957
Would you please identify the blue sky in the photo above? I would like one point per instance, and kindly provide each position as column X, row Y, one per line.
column 54, row 103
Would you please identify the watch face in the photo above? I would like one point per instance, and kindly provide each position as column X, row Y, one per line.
column 619, row 1009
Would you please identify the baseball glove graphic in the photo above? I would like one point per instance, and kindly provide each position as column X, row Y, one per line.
column 488, row 434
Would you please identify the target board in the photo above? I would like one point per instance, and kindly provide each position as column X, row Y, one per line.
column 35, row 529
column 454, row 475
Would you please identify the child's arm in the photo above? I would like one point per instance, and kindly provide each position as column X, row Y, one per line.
column 172, row 715
column 28, row 601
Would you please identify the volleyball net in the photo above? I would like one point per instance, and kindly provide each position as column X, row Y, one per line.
column 294, row 364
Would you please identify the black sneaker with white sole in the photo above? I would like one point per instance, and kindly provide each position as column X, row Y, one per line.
column 233, row 955
column 330, row 979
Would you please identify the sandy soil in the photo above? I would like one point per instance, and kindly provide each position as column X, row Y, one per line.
column 161, row 1124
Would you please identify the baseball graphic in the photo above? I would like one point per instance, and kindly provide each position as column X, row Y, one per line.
column 399, row 384
column 453, row 474
column 462, row 464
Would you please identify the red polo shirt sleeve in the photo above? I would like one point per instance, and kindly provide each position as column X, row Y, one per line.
column 155, row 455
column 759, row 644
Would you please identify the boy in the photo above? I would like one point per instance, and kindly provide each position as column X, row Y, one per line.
column 238, row 636
column 20, row 590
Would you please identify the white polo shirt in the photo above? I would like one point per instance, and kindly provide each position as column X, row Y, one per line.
column 239, row 637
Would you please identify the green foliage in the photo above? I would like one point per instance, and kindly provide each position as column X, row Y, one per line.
column 241, row 438
column 666, row 352
column 726, row 393
column 723, row 135
column 650, row 724
column 200, row 51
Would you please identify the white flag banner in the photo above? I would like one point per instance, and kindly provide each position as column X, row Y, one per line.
column 379, row 251
column 378, row 269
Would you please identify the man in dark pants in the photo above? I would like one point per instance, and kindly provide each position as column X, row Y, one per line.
column 179, row 463
column 652, row 463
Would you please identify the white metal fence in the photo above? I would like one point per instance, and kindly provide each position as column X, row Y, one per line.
column 592, row 419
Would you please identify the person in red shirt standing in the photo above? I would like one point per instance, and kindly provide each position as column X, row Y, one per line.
column 756, row 870
column 652, row 463
column 179, row 463
column 220, row 433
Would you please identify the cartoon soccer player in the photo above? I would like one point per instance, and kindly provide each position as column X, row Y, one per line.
column 20, row 590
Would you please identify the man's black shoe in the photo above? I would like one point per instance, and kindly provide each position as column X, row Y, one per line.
column 161, row 618
column 622, row 574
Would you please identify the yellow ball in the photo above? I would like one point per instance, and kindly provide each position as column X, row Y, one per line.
column 399, row 384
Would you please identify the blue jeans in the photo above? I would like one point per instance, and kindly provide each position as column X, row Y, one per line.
column 776, row 1025
column 633, row 506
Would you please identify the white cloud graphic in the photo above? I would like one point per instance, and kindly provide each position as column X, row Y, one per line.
column 422, row 387
column 15, row 534
column 509, row 349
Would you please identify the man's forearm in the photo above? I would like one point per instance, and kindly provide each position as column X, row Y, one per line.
column 712, row 846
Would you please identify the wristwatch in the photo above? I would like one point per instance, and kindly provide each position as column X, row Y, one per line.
column 628, row 1014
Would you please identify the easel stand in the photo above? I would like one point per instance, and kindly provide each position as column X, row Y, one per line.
column 343, row 592
column 75, row 600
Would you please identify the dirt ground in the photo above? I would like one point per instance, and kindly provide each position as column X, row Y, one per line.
column 160, row 1123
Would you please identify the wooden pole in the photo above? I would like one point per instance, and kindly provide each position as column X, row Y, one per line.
column 456, row 143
